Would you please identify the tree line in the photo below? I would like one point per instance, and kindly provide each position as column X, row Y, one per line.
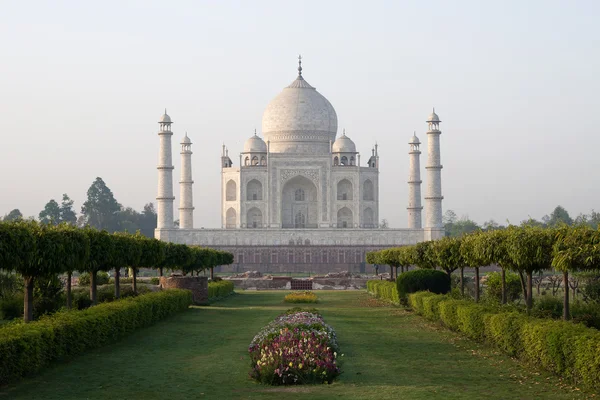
column 100, row 210
column 525, row 250
column 35, row 250
column 456, row 227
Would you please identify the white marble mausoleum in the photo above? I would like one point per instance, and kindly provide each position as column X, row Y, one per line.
column 300, row 199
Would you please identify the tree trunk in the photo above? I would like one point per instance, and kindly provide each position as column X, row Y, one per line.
column 462, row 281
column 134, row 281
column 477, row 284
column 93, row 287
column 69, row 297
column 566, row 311
column 117, row 283
column 503, row 286
column 529, row 292
column 28, row 299
column 160, row 271
column 523, row 285
column 391, row 273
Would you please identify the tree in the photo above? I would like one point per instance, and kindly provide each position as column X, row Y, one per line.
column 530, row 250
column 50, row 215
column 128, row 252
column 446, row 253
column 14, row 215
column 102, row 249
column 559, row 216
column 450, row 217
column 461, row 227
column 153, row 254
column 148, row 220
column 76, row 252
column 575, row 249
column 472, row 257
column 384, row 224
column 67, row 214
column 101, row 207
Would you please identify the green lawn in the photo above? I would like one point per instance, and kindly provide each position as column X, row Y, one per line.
column 202, row 353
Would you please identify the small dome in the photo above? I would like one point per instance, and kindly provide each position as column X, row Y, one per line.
column 414, row 139
column 433, row 117
column 255, row 145
column 186, row 139
column 165, row 118
column 344, row 144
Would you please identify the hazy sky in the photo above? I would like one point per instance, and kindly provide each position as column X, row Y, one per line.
column 515, row 83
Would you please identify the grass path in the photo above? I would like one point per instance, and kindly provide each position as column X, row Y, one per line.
column 202, row 353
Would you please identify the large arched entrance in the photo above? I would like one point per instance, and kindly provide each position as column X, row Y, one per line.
column 299, row 204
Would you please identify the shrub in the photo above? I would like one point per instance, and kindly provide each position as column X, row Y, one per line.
column 101, row 278
column 415, row 301
column 504, row 330
column 301, row 297
column 494, row 286
column 470, row 319
column 431, row 306
column 11, row 307
column 586, row 313
column 447, row 311
column 295, row 349
column 384, row 290
column 219, row 289
column 26, row 348
column 591, row 290
column 547, row 307
column 155, row 280
column 422, row 279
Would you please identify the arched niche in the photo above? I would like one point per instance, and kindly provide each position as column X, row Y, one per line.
column 299, row 203
column 230, row 217
column 230, row 190
column 344, row 190
column 368, row 218
column 254, row 218
column 254, row 190
column 344, row 218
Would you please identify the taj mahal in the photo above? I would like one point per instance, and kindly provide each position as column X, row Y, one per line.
column 299, row 198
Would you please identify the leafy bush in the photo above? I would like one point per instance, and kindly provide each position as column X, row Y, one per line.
column 11, row 307
column 295, row 349
column 415, row 301
column 586, row 313
column 494, row 286
column 10, row 284
column 219, row 289
column 101, row 278
column 431, row 306
column 384, row 290
column 422, row 279
column 301, row 297
column 567, row 349
column 547, row 307
column 155, row 280
column 591, row 290
column 26, row 348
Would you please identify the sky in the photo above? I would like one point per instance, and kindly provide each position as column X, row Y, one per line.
column 83, row 84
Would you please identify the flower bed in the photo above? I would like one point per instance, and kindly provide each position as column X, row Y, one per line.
column 296, row 348
column 301, row 297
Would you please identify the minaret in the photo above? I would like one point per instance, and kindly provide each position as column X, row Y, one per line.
column 414, row 184
column 433, row 198
column 165, row 175
column 186, row 202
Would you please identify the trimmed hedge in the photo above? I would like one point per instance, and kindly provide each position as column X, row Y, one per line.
column 219, row 289
column 422, row 279
column 567, row 349
column 384, row 290
column 26, row 348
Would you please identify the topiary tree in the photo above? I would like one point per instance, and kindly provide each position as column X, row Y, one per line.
column 445, row 252
column 575, row 249
column 177, row 256
column 472, row 257
column 77, row 252
column 128, row 252
column 102, row 253
column 153, row 255
column 422, row 279
column 530, row 249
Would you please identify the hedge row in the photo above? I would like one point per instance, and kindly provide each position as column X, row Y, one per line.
column 567, row 349
column 384, row 290
column 26, row 348
column 219, row 289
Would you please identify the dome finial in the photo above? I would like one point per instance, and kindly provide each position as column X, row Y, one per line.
column 255, row 132
column 299, row 65
column 344, row 134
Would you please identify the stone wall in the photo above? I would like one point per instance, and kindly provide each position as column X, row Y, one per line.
column 285, row 283
column 197, row 284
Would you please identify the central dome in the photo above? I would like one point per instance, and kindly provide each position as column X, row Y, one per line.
column 299, row 120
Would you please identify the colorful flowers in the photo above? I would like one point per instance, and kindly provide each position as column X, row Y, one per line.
column 295, row 348
column 301, row 297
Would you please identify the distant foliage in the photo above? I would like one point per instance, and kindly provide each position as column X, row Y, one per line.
column 101, row 278
column 494, row 286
